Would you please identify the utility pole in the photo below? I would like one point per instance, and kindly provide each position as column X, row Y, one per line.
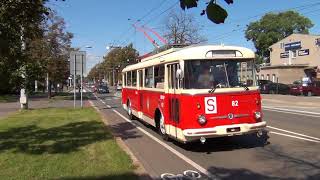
column 74, row 81
column 113, row 78
column 81, row 80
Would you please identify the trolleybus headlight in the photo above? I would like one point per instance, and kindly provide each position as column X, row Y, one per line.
column 202, row 120
column 257, row 115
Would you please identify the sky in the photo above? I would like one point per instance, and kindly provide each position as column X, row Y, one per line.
column 101, row 23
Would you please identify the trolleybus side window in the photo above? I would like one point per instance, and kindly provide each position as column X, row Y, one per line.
column 140, row 78
column 134, row 78
column 129, row 78
column 159, row 76
column 148, row 78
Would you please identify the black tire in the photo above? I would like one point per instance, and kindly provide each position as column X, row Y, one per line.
column 161, row 127
column 129, row 111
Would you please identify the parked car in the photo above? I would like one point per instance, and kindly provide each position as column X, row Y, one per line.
column 261, row 83
column 309, row 89
column 296, row 88
column 103, row 89
column 275, row 88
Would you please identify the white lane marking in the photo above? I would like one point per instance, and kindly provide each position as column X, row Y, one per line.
column 297, row 137
column 180, row 155
column 288, row 112
column 292, row 110
column 291, row 132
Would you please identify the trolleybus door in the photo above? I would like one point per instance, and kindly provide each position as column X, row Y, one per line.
column 174, row 103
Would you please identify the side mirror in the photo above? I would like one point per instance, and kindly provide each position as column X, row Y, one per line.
column 179, row 74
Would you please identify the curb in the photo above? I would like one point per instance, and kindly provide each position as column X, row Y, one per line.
column 139, row 170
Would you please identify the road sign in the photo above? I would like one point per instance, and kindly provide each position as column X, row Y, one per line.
column 77, row 67
column 77, row 62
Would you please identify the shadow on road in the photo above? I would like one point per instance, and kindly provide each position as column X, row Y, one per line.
column 124, row 130
column 225, row 144
column 245, row 174
column 64, row 139
column 306, row 164
column 240, row 174
column 126, row 176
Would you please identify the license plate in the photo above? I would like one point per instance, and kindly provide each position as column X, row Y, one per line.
column 235, row 129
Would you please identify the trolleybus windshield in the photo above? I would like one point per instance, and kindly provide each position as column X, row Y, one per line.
column 207, row 74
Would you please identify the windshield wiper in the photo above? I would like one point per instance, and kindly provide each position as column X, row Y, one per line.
column 212, row 89
column 244, row 86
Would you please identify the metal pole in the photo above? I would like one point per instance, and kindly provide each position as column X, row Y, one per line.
column 74, row 81
column 81, row 78
column 113, row 78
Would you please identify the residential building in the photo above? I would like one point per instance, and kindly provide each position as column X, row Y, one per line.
column 293, row 58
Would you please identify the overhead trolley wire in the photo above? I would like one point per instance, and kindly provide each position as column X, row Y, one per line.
column 138, row 20
column 156, row 16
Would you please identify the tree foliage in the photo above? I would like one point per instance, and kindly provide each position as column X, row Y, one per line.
column 214, row 11
column 59, row 42
column 19, row 22
column 25, row 51
column 273, row 27
column 181, row 28
column 115, row 60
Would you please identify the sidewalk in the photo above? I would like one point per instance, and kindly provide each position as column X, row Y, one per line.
column 38, row 102
column 291, row 102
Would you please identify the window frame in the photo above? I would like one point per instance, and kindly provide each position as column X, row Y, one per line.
column 161, row 76
column 133, row 80
column 129, row 84
column 147, row 77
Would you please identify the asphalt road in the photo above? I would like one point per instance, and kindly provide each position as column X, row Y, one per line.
column 292, row 151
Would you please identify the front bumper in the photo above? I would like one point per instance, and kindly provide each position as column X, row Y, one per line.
column 220, row 131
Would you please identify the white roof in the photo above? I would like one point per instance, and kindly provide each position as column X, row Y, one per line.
column 190, row 53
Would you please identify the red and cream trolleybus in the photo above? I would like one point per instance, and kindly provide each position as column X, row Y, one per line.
column 195, row 92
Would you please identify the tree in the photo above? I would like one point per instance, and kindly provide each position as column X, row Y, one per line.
column 21, row 24
column 59, row 46
column 47, row 56
column 114, row 62
column 273, row 27
column 181, row 28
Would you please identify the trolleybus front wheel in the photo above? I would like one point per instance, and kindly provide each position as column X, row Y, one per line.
column 161, row 126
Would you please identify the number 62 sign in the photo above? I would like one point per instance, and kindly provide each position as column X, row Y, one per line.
column 210, row 105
